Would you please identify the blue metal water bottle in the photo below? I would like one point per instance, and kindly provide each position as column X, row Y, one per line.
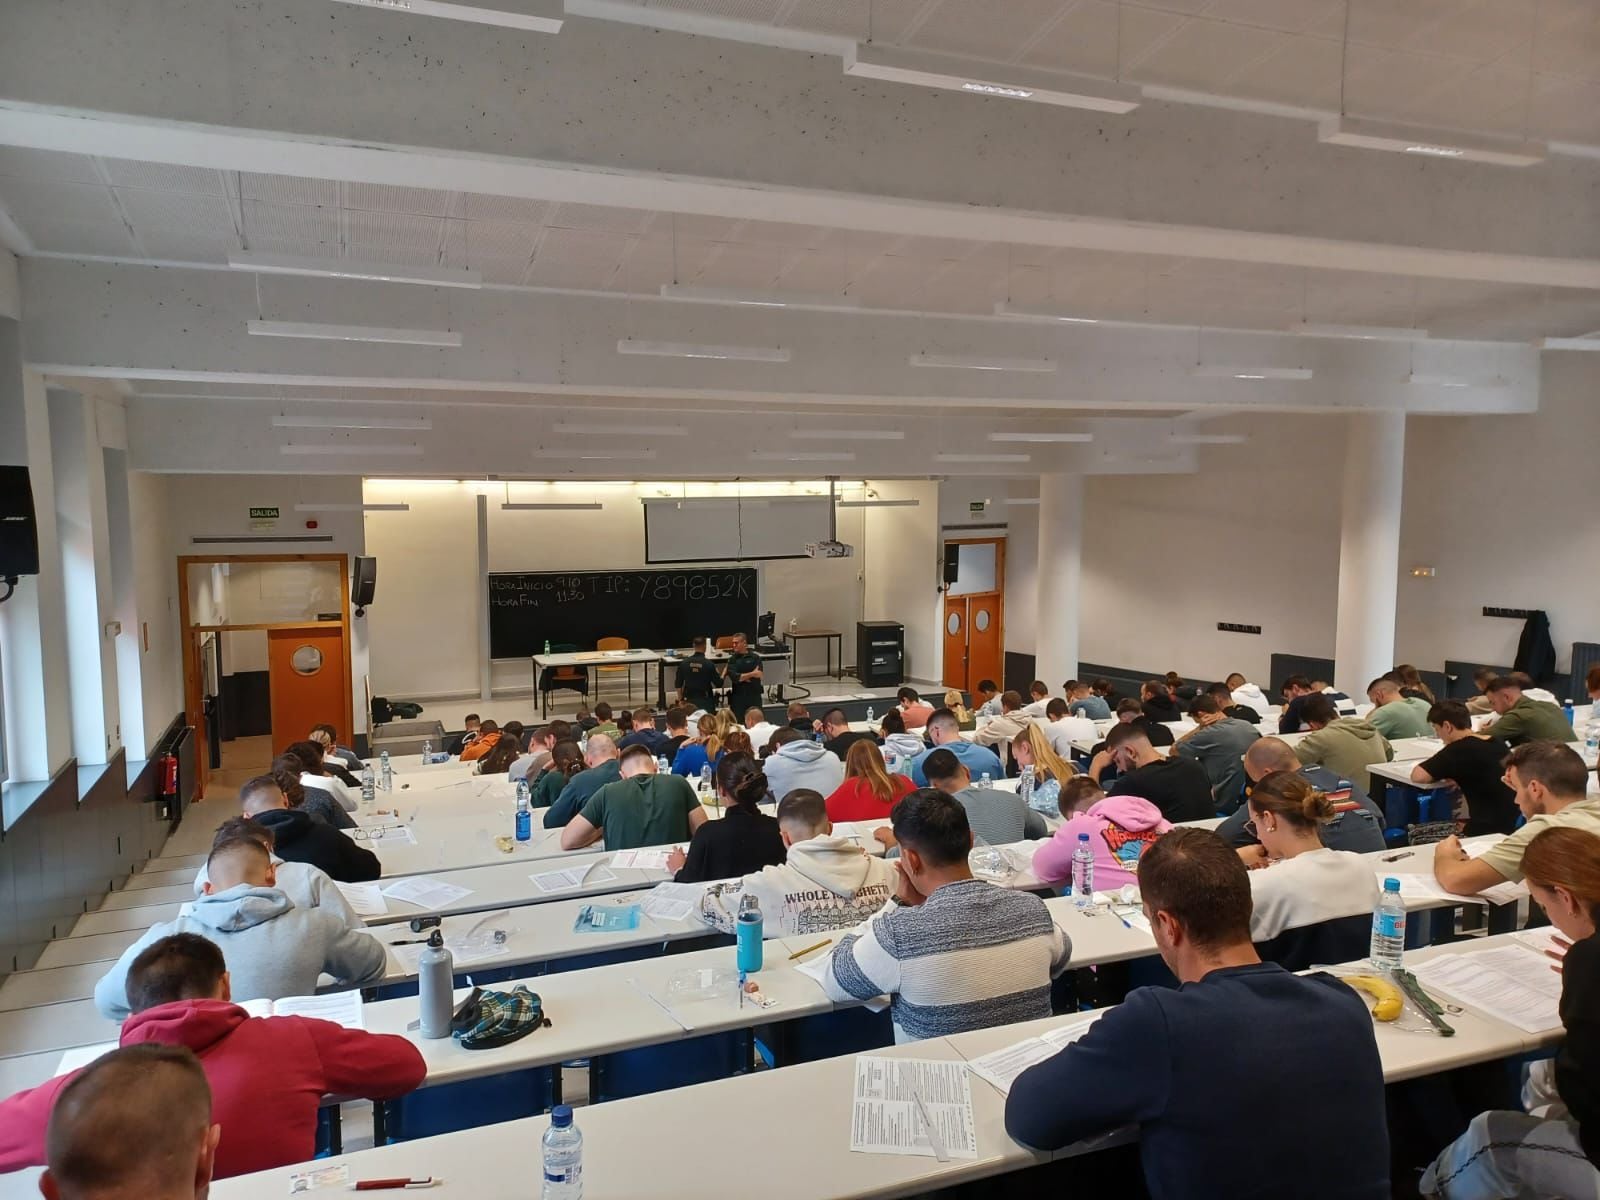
column 747, row 935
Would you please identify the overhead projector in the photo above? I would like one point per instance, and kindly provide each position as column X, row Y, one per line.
column 829, row 549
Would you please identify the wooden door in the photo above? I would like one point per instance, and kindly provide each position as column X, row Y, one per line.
column 985, row 658
column 309, row 680
column 974, row 614
column 955, row 642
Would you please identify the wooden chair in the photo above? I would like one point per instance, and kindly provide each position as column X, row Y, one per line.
column 725, row 643
column 615, row 643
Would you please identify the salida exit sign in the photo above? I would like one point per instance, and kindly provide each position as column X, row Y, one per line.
column 264, row 514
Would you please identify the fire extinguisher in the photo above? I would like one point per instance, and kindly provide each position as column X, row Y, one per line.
column 169, row 776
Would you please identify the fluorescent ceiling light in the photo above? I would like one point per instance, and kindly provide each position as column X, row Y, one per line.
column 802, row 456
column 1004, row 80
column 1215, row 371
column 1018, row 312
column 975, row 362
column 548, row 506
column 983, row 458
column 622, row 430
column 537, row 16
column 1429, row 379
column 1209, row 439
column 390, row 449
column 776, row 354
column 591, row 455
column 340, row 268
column 327, row 508
column 1364, row 333
column 864, row 435
column 283, row 422
column 1426, row 143
column 880, row 503
column 756, row 299
column 1041, row 437
column 1587, row 342
column 318, row 331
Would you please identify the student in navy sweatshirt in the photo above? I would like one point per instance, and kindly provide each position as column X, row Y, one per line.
column 1206, row 1071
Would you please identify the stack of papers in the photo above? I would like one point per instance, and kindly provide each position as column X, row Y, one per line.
column 1512, row 983
column 365, row 898
column 342, row 1008
column 1000, row 1068
column 673, row 901
column 82, row 1056
column 653, row 859
column 462, row 953
column 426, row 892
column 913, row 1106
column 573, row 877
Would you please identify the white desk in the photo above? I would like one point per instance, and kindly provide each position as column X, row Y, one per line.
column 588, row 660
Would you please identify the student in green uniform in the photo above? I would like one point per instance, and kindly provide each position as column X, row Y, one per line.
column 744, row 676
column 697, row 679
column 640, row 809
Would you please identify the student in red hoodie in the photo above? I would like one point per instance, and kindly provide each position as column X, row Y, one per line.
column 268, row 1074
column 869, row 792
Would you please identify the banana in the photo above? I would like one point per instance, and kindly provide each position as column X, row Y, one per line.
column 1388, row 1001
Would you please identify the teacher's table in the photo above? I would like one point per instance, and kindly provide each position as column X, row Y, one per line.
column 587, row 659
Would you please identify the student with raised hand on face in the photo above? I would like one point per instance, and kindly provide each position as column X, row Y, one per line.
column 1213, row 1118
column 1082, row 701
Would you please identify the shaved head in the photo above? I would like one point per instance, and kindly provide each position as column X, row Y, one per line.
column 1388, row 689
column 242, row 860
column 602, row 748
column 135, row 1123
column 1267, row 755
column 260, row 795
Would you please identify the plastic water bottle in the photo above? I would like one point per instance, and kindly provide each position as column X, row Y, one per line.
column 369, row 786
column 663, row 767
column 435, row 982
column 1025, row 785
column 1083, row 873
column 1566, row 710
column 986, row 780
column 705, row 779
column 747, row 935
column 562, row 1151
column 427, row 752
column 1389, row 928
column 547, row 646
column 1591, row 740
column 386, row 768
column 869, row 714
column 524, row 811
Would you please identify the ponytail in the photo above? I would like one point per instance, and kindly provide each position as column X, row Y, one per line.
column 741, row 779
column 1289, row 795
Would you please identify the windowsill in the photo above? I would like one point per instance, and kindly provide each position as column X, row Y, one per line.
column 89, row 776
column 19, row 796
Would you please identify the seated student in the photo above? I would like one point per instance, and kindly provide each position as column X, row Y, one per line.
column 1394, row 715
column 744, row 840
column 1409, row 680
column 1513, row 1153
column 900, row 749
column 1181, row 690
column 500, row 757
column 758, row 727
column 468, row 735
column 996, row 817
column 986, row 698
column 1357, row 824
column 1050, row 770
column 566, row 760
column 1523, row 719
column 1105, row 691
column 327, row 737
column 954, row 953
column 837, row 735
column 137, row 1122
column 541, row 744
column 1083, row 702
column 914, row 710
column 1129, row 712
column 825, row 883
column 1157, row 702
column 273, row 948
column 798, row 763
column 1295, row 880
column 1062, row 728
column 701, row 750
column 1242, row 694
column 1549, row 779
column 298, row 838
column 1345, row 706
column 1347, row 745
column 1296, row 690
column 1218, row 743
column 966, row 719
column 1478, row 703
column 1120, row 829
column 1225, row 703
column 624, row 723
column 305, row 885
column 584, row 720
column 640, row 808
column 603, row 722
column 1532, row 690
column 268, row 1075
column 645, row 733
column 1213, row 1120
column 1475, row 763
column 1591, row 684
column 869, row 791
column 314, row 773
column 1038, row 700
column 601, row 767
column 317, row 803
column 944, row 732
column 799, row 718
column 1178, row 786
column 677, row 722
column 489, row 735
column 998, row 731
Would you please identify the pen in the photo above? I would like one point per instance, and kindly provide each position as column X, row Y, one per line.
column 1397, row 857
column 379, row 1185
column 741, row 989
column 809, row 949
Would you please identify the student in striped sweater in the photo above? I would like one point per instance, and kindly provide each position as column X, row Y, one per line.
column 954, row 953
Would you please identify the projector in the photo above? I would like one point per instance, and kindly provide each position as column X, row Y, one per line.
column 829, row 549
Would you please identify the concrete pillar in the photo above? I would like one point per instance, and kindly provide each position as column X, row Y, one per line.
column 1369, row 548
column 1059, row 578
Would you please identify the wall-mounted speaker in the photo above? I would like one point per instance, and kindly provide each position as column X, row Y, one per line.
column 952, row 562
column 19, row 536
column 363, row 582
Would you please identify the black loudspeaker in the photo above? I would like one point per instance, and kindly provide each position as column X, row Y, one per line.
column 19, row 537
column 952, row 562
column 363, row 582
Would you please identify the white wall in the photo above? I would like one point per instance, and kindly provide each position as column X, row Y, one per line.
column 902, row 576
column 156, row 580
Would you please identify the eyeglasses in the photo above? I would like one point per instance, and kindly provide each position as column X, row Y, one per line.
column 1250, row 829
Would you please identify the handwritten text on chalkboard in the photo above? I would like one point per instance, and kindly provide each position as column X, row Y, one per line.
column 533, row 591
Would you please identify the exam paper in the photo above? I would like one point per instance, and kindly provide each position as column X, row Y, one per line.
column 426, row 892
column 1000, row 1068
column 1543, row 939
column 573, row 877
column 463, row 954
column 365, row 898
column 1511, row 983
column 82, row 1056
column 342, row 1008
column 673, row 901
column 652, row 859
column 896, row 1100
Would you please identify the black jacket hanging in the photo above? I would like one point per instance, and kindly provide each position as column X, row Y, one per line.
column 1536, row 653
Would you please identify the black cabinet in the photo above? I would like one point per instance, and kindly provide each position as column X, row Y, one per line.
column 881, row 653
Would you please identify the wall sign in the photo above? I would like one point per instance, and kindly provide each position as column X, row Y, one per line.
column 264, row 514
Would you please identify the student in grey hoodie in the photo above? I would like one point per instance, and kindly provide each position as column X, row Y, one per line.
column 273, row 949
column 826, row 883
column 798, row 763
column 306, row 886
column 1347, row 745
column 1218, row 742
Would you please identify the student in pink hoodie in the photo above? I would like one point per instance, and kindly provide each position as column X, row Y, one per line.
column 1120, row 828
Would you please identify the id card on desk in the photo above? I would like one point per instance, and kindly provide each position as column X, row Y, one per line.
column 606, row 918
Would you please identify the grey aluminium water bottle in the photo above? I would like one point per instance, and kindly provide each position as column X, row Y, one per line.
column 435, row 983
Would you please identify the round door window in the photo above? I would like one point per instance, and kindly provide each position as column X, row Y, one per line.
column 981, row 620
column 307, row 660
column 953, row 623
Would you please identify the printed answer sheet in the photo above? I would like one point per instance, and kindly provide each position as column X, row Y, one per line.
column 1509, row 982
column 366, row 899
column 1000, row 1068
column 913, row 1106
column 426, row 892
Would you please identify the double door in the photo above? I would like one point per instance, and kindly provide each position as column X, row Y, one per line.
column 974, row 615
